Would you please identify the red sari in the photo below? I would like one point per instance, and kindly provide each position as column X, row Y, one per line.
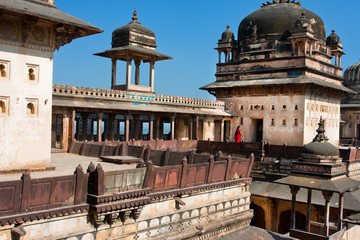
column 237, row 136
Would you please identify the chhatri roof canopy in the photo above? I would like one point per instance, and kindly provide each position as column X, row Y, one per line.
column 122, row 53
column 135, row 40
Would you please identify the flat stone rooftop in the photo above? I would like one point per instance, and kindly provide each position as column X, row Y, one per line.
column 65, row 164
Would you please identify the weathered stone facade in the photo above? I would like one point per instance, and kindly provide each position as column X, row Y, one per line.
column 28, row 39
column 279, row 77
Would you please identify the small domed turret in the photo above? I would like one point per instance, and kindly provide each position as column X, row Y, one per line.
column 333, row 40
column 227, row 36
column 227, row 45
column 133, row 33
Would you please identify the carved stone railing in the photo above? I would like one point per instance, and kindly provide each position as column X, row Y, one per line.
column 108, row 94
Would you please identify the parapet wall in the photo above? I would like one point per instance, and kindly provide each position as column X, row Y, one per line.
column 128, row 96
column 148, row 201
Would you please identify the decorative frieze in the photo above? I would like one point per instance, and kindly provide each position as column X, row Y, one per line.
column 8, row 28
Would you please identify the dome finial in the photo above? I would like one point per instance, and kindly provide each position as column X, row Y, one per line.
column 135, row 18
column 227, row 26
column 320, row 137
column 280, row 1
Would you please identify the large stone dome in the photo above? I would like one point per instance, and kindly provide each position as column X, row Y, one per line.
column 275, row 21
column 352, row 77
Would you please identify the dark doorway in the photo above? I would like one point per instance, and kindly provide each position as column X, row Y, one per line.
column 285, row 218
column 200, row 129
column 257, row 130
column 358, row 131
column 259, row 216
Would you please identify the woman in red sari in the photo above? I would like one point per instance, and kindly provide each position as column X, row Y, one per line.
column 237, row 135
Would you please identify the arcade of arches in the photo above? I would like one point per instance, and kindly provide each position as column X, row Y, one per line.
column 274, row 214
column 126, row 125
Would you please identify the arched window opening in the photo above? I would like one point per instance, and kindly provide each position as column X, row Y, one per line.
column 2, row 107
column 30, row 108
column 3, row 70
column 31, row 74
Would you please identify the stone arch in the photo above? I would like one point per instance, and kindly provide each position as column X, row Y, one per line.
column 195, row 213
column 258, row 219
column 154, row 222
column 285, row 218
column 176, row 217
column 142, row 225
column 165, row 220
column 203, row 211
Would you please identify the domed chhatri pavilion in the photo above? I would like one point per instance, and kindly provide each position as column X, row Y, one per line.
column 281, row 75
column 350, row 106
column 133, row 42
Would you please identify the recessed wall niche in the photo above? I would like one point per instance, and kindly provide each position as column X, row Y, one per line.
column 4, row 70
column 32, row 73
column 4, row 105
column 31, row 106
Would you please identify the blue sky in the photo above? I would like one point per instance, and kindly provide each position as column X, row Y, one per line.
column 187, row 30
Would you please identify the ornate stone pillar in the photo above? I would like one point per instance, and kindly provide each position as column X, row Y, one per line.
column 113, row 73
column 221, row 130
column 339, row 61
column 128, row 73
column 190, row 128
column 294, row 190
column 65, row 133
column 137, row 71
column 127, row 127
column 336, row 60
column 341, row 210
column 308, row 213
column 152, row 70
column 72, row 128
column 172, row 128
column 99, row 126
column 327, row 197
column 151, row 127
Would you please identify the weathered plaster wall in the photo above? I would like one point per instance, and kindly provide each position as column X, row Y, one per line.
column 25, row 136
column 329, row 110
column 250, row 108
column 350, row 127
column 209, row 129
